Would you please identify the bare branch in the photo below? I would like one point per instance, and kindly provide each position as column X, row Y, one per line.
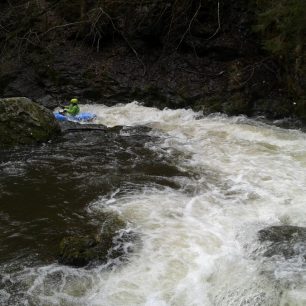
column 219, row 24
column 190, row 23
column 126, row 40
column 62, row 26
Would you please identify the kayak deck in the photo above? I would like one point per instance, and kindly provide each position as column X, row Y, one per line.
column 78, row 118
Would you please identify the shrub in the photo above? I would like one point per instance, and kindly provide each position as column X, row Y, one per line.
column 282, row 26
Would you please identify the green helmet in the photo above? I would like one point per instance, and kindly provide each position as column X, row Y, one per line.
column 74, row 101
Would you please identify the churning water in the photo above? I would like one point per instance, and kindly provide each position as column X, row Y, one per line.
column 199, row 241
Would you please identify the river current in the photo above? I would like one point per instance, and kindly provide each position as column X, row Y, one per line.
column 196, row 189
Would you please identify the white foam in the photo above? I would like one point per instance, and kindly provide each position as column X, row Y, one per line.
column 248, row 175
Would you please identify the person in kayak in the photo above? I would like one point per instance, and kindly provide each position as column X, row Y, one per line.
column 72, row 109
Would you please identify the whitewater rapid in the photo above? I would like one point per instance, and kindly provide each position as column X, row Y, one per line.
column 198, row 242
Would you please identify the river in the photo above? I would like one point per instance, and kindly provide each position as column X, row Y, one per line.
column 196, row 189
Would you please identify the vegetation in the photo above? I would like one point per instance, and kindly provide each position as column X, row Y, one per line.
column 282, row 26
column 189, row 46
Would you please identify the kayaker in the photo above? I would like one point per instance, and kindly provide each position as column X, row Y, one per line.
column 72, row 109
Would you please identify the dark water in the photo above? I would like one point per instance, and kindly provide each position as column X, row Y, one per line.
column 197, row 239
column 45, row 189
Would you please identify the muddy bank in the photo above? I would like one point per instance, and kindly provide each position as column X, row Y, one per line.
column 172, row 54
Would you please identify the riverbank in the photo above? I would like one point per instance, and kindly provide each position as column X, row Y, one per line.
column 204, row 56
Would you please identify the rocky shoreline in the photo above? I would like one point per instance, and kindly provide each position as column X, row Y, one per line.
column 210, row 60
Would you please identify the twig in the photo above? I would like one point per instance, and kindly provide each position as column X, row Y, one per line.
column 248, row 79
column 219, row 24
column 47, row 9
column 203, row 73
column 1, row 26
column 190, row 23
column 62, row 26
column 126, row 40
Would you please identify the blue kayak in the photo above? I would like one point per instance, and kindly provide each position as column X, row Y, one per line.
column 78, row 118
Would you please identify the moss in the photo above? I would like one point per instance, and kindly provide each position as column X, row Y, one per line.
column 282, row 27
column 237, row 104
column 78, row 251
column 23, row 122
column 282, row 24
column 209, row 105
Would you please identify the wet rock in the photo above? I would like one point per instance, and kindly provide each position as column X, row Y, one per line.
column 287, row 241
column 24, row 122
column 70, row 126
column 300, row 108
column 237, row 104
column 79, row 251
column 48, row 102
column 274, row 108
column 209, row 105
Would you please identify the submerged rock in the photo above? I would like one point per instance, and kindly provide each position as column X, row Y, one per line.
column 79, row 251
column 287, row 241
column 24, row 122
column 70, row 126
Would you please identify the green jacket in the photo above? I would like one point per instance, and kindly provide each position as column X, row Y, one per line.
column 72, row 109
